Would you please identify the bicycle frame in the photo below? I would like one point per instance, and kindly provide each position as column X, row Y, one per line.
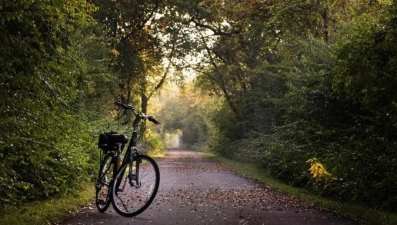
column 126, row 178
column 132, row 151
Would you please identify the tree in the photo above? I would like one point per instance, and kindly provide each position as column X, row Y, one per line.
column 237, row 44
column 131, row 27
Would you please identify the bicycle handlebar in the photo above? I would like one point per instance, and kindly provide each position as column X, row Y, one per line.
column 124, row 106
column 138, row 114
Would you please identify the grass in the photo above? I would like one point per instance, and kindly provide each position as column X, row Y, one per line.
column 50, row 211
column 361, row 214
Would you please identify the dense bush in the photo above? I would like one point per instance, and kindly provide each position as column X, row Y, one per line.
column 323, row 97
column 46, row 148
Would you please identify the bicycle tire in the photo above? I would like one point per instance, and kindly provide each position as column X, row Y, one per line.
column 104, row 183
column 132, row 198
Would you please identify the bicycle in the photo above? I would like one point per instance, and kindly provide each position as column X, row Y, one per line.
column 131, row 184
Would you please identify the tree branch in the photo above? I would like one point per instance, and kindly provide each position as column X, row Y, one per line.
column 216, row 31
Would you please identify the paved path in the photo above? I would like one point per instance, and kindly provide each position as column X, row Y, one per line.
column 196, row 190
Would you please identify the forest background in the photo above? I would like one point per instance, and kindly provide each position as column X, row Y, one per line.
column 305, row 89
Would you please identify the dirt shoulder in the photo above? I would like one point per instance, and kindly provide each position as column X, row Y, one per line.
column 197, row 190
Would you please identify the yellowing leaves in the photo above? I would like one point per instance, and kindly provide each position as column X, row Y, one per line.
column 317, row 169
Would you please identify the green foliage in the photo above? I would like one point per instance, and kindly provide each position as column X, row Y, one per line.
column 355, row 142
column 132, row 28
column 292, row 81
column 47, row 148
column 188, row 112
column 365, row 74
column 366, row 66
column 321, row 87
column 153, row 143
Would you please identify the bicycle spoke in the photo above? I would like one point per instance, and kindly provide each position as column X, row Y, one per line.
column 103, row 184
column 133, row 196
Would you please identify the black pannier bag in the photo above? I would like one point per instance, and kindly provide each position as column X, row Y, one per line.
column 109, row 141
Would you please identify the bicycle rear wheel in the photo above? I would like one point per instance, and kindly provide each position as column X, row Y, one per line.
column 103, row 184
column 136, row 186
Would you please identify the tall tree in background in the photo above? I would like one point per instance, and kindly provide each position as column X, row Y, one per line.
column 133, row 29
column 239, row 44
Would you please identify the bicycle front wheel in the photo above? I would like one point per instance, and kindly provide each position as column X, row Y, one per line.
column 103, row 184
column 135, row 186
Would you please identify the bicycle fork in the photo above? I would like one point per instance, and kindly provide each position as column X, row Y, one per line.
column 134, row 177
